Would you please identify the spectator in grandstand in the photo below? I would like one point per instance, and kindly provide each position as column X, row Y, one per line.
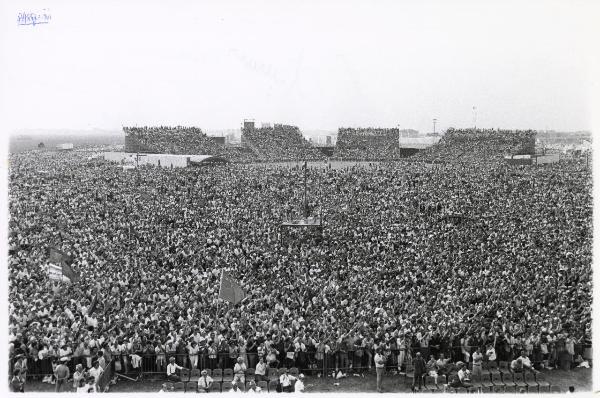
column 17, row 383
column 286, row 381
column 239, row 371
column 205, row 382
column 253, row 388
column 388, row 226
column 261, row 370
column 299, row 384
column 172, row 369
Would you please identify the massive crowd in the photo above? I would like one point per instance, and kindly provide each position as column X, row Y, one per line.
column 367, row 144
column 280, row 143
column 175, row 140
column 413, row 258
column 483, row 145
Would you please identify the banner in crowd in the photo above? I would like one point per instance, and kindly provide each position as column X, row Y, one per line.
column 230, row 289
column 55, row 273
column 62, row 260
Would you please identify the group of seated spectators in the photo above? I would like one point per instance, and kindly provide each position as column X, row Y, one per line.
column 480, row 145
column 511, row 269
column 280, row 143
column 367, row 144
column 173, row 140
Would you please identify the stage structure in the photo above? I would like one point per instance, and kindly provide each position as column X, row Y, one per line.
column 308, row 226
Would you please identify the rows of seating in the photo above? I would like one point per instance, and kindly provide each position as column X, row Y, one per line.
column 481, row 145
column 280, row 143
column 495, row 378
column 367, row 144
column 223, row 379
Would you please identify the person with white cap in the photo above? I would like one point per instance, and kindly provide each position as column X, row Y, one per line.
column 299, row 385
column 205, row 382
column 172, row 369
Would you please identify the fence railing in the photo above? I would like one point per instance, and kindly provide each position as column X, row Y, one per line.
column 311, row 363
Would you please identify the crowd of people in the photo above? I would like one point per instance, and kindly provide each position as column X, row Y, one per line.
column 367, row 144
column 447, row 260
column 175, row 140
column 280, row 143
column 481, row 145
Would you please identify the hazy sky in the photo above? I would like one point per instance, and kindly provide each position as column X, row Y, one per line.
column 319, row 65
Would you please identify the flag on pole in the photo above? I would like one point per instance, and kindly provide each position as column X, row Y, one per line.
column 230, row 289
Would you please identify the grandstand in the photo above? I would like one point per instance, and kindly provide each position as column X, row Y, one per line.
column 481, row 145
column 279, row 143
column 367, row 144
column 177, row 140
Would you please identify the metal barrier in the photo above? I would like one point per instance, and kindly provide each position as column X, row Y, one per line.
column 311, row 363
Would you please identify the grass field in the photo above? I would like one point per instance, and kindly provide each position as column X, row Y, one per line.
column 581, row 379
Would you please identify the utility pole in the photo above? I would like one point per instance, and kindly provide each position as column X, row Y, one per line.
column 434, row 122
column 305, row 199
column 474, row 117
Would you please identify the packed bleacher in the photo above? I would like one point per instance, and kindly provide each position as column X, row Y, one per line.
column 280, row 143
column 367, row 144
column 410, row 262
column 173, row 140
column 481, row 145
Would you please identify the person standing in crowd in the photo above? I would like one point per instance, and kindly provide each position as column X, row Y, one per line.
column 78, row 375
column 95, row 372
column 380, row 361
column 477, row 362
column 17, row 384
column 419, row 371
column 261, row 370
column 62, row 374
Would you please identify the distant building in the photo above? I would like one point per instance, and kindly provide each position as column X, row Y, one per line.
column 65, row 147
column 328, row 140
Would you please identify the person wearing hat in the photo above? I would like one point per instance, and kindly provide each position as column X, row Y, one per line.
column 172, row 369
column 205, row 382
column 299, row 385
column 62, row 373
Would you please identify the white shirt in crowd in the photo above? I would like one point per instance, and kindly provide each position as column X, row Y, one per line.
column 172, row 368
